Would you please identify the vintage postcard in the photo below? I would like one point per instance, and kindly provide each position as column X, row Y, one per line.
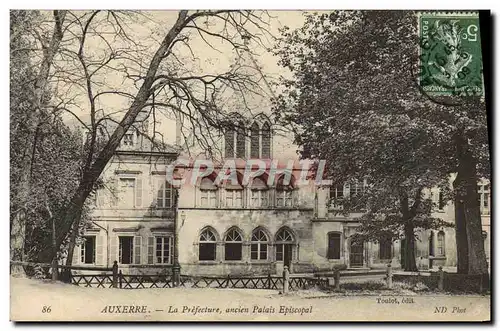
column 250, row 165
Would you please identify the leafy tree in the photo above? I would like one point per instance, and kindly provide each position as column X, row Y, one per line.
column 45, row 155
column 354, row 100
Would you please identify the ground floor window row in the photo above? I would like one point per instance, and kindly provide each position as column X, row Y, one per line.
column 126, row 249
column 232, row 245
column 435, row 247
column 334, row 247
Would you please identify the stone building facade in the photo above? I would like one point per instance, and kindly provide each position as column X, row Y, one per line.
column 238, row 228
column 225, row 228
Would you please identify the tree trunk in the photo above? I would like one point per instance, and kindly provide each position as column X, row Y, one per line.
column 467, row 196
column 90, row 176
column 460, row 229
column 17, row 234
column 409, row 231
column 411, row 263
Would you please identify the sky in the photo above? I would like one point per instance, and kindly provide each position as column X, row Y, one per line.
column 149, row 29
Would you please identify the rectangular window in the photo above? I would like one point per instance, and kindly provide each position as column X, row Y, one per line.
column 126, row 249
column 279, row 252
column 207, row 251
column 128, row 139
column 208, row 198
column 87, row 250
column 337, row 195
column 284, row 198
column 163, row 250
column 258, row 251
column 355, row 189
column 232, row 251
column 259, row 198
column 234, row 198
column 127, row 192
column 337, row 191
column 164, row 194
column 334, row 245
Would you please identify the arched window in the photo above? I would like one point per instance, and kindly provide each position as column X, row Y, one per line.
column 284, row 245
column 259, row 246
column 208, row 245
column 233, row 245
column 431, row 243
column 259, row 193
column 229, row 143
column 235, row 139
column 266, row 141
column 440, row 244
column 208, row 193
column 385, row 249
column 284, row 191
column 255, row 141
column 240, row 140
column 334, row 245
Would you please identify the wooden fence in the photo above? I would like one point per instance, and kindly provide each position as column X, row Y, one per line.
column 268, row 282
column 114, row 278
column 445, row 281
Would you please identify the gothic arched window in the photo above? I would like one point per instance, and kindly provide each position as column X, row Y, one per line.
column 207, row 245
column 285, row 241
column 266, row 141
column 255, row 141
column 259, row 246
column 233, row 245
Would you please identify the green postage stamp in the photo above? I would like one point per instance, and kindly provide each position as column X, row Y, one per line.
column 450, row 53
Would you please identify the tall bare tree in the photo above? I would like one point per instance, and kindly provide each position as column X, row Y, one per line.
column 29, row 95
column 104, row 75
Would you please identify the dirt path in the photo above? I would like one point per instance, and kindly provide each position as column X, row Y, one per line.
column 69, row 302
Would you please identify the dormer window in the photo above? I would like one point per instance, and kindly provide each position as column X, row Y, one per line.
column 259, row 193
column 260, row 140
column 235, row 143
column 254, row 141
column 284, row 192
column 128, row 139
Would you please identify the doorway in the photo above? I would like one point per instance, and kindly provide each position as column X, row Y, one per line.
column 287, row 255
column 356, row 254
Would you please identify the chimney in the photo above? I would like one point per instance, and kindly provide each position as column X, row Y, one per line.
column 246, row 39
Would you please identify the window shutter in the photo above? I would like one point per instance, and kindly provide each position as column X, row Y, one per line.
column 115, row 191
column 294, row 198
column 99, row 197
column 155, row 192
column 99, row 250
column 151, row 250
column 137, row 249
column 114, row 249
column 138, row 192
column 76, row 255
